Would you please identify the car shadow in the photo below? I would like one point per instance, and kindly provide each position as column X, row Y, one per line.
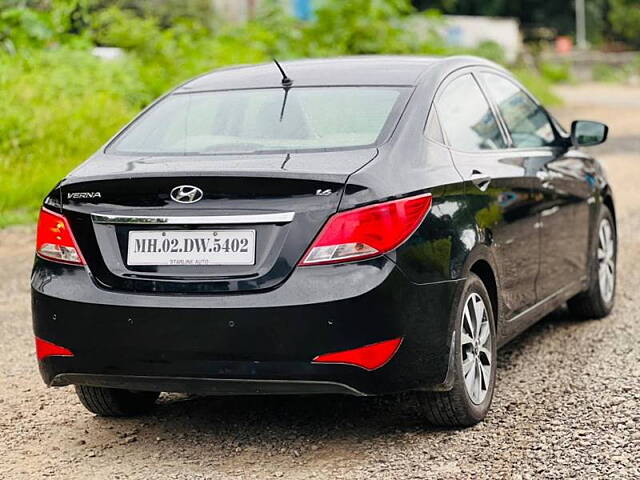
column 548, row 326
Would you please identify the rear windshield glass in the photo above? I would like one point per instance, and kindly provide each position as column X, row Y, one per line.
column 263, row 120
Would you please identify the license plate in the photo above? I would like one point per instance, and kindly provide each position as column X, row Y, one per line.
column 201, row 247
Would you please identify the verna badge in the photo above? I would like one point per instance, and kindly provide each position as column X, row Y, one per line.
column 83, row 195
column 186, row 194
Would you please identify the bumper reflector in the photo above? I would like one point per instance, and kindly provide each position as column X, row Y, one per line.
column 46, row 349
column 369, row 357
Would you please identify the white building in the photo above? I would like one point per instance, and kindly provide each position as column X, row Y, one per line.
column 457, row 30
column 235, row 10
column 242, row 10
column 469, row 31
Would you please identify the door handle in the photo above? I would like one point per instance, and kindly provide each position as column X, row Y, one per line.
column 550, row 211
column 480, row 180
column 545, row 178
column 546, row 175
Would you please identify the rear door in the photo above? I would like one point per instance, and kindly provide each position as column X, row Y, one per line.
column 560, row 184
column 498, row 187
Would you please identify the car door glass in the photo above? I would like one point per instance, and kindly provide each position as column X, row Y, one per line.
column 434, row 132
column 466, row 117
column 527, row 122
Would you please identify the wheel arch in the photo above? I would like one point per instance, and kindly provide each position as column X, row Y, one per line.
column 485, row 272
column 481, row 263
column 607, row 200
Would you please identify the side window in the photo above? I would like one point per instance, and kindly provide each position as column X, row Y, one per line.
column 433, row 131
column 528, row 124
column 466, row 118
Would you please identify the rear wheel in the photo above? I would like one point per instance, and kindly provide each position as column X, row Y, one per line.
column 114, row 402
column 597, row 301
column 467, row 403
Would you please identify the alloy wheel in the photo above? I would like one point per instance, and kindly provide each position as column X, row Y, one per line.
column 475, row 342
column 606, row 260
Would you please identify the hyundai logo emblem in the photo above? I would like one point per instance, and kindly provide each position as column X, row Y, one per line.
column 186, row 194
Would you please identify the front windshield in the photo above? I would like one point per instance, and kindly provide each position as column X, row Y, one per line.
column 262, row 120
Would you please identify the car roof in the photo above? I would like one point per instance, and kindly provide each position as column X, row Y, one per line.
column 395, row 70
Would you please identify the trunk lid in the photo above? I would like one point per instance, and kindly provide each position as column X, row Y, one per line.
column 284, row 199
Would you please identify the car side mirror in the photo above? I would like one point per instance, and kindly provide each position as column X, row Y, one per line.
column 585, row 133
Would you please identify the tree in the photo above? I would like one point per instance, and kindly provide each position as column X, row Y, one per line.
column 624, row 16
column 559, row 16
column 531, row 13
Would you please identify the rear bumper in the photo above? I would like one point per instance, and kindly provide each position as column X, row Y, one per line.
column 246, row 343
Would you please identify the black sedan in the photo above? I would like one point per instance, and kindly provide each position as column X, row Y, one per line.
column 361, row 226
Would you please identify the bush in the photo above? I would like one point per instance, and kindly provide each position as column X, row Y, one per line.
column 58, row 107
column 555, row 72
column 624, row 16
column 538, row 85
column 60, row 103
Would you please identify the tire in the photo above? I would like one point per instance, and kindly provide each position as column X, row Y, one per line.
column 113, row 402
column 458, row 407
column 598, row 300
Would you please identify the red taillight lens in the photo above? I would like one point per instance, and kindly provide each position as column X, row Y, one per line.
column 369, row 357
column 46, row 349
column 368, row 231
column 55, row 241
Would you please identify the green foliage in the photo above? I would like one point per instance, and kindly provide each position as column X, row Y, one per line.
column 555, row 14
column 538, row 85
column 606, row 19
column 555, row 72
column 21, row 26
column 58, row 107
column 624, row 16
column 362, row 27
column 607, row 73
column 168, row 12
column 491, row 50
column 60, row 103
column 619, row 74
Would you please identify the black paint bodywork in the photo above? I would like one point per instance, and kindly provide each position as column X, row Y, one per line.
column 256, row 329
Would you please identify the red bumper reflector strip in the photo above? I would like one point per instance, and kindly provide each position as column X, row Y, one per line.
column 46, row 349
column 369, row 357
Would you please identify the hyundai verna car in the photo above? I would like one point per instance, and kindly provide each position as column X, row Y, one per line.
column 359, row 226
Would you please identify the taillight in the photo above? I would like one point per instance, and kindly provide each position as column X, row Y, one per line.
column 55, row 241
column 369, row 357
column 368, row 231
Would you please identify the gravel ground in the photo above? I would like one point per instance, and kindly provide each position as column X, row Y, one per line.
column 566, row 406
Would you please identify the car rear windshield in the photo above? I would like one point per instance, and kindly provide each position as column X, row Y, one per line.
column 264, row 120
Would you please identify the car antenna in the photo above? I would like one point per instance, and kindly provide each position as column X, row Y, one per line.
column 286, row 84
column 286, row 81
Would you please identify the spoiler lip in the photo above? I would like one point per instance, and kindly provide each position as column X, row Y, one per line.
column 332, row 166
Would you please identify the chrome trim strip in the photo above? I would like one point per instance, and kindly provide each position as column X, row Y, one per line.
column 284, row 217
column 543, row 301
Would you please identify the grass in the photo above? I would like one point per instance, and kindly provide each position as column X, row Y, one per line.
column 58, row 107
column 540, row 86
